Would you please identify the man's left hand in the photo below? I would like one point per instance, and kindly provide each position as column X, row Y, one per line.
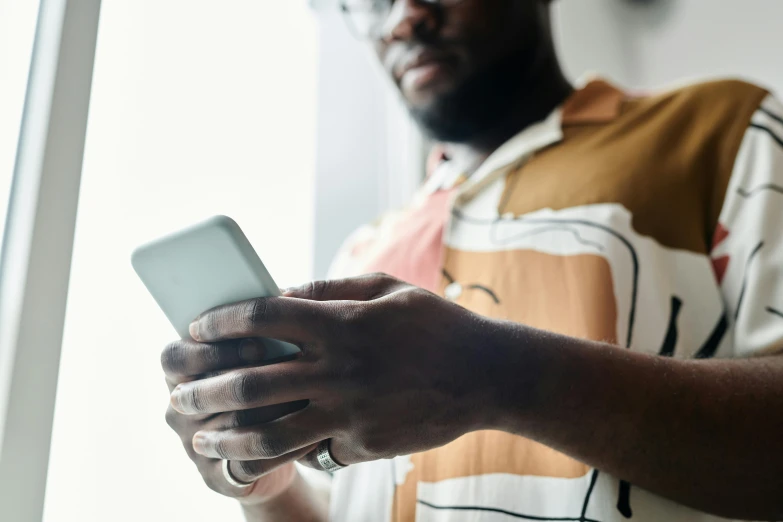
column 388, row 369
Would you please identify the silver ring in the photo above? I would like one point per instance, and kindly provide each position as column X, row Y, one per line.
column 325, row 457
column 232, row 480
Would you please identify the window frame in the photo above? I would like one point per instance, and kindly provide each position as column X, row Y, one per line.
column 35, row 259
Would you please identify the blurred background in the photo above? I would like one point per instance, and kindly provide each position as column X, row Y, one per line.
column 270, row 112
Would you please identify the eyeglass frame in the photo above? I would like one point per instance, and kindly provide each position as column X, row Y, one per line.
column 346, row 10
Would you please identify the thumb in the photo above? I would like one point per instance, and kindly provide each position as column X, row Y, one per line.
column 362, row 288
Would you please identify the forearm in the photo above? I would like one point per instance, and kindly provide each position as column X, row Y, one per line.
column 708, row 434
column 301, row 502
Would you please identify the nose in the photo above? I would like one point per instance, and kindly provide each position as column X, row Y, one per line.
column 409, row 19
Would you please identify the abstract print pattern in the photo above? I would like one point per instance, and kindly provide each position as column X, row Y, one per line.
column 586, row 271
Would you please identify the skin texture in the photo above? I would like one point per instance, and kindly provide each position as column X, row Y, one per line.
column 489, row 68
column 436, row 364
column 381, row 359
column 357, row 364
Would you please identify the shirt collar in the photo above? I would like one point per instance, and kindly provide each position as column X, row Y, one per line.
column 596, row 101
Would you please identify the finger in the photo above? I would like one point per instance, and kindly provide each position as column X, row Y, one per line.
column 362, row 288
column 251, row 470
column 246, row 389
column 265, row 441
column 291, row 320
column 340, row 453
column 174, row 382
column 186, row 358
column 254, row 417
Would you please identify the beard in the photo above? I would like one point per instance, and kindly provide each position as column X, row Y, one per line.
column 482, row 103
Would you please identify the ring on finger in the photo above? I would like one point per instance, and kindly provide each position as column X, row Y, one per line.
column 325, row 459
column 231, row 479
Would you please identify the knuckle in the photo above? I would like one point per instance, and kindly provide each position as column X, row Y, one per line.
column 268, row 445
column 194, row 399
column 221, row 447
column 383, row 277
column 318, row 289
column 243, row 388
column 410, row 296
column 256, row 312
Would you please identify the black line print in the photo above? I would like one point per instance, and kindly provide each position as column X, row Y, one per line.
column 487, row 290
column 767, row 186
column 590, row 489
column 634, row 256
column 711, row 345
column 483, row 288
column 768, row 131
column 775, row 312
column 456, row 213
column 745, row 279
column 538, row 231
column 504, row 512
column 771, row 115
column 670, row 341
column 624, row 499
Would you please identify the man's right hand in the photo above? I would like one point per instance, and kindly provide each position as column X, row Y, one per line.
column 187, row 360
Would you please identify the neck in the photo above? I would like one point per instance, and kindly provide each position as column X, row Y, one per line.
column 544, row 89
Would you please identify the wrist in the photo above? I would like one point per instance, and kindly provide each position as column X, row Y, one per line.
column 516, row 375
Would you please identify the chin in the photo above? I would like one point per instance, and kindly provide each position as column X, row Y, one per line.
column 431, row 93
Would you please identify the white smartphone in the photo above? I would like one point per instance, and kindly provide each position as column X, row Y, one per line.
column 206, row 265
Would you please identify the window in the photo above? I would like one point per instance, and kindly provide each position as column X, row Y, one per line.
column 17, row 30
column 198, row 108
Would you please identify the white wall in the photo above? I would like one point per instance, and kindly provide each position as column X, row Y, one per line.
column 199, row 108
column 655, row 43
column 370, row 156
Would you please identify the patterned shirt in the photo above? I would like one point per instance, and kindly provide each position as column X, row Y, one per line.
column 653, row 223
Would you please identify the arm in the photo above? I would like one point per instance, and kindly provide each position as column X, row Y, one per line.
column 708, row 434
column 704, row 433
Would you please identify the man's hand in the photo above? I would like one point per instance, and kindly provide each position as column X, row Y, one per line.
column 388, row 369
column 184, row 361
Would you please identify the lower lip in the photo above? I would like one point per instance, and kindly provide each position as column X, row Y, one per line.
column 422, row 76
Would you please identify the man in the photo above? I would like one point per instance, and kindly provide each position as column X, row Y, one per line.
column 604, row 347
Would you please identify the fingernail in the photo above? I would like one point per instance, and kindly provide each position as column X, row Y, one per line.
column 200, row 443
column 175, row 396
column 193, row 329
column 251, row 351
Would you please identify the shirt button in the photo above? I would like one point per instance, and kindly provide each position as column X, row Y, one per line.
column 453, row 291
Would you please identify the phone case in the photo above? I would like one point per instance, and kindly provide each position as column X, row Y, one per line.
column 206, row 265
